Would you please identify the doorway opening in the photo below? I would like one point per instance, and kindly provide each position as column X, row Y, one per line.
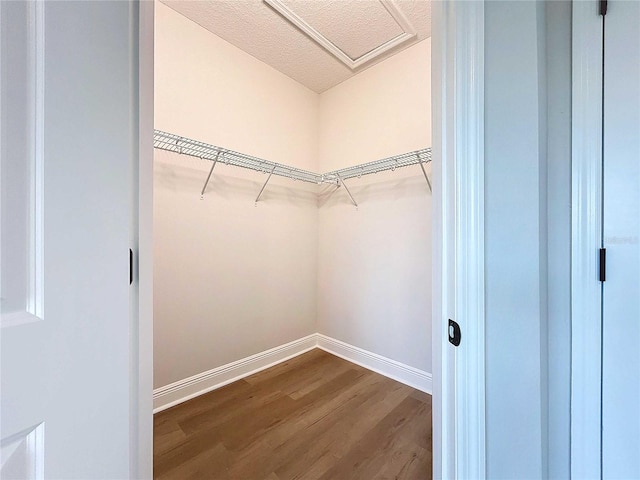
column 321, row 241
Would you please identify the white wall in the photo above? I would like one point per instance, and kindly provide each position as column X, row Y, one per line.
column 558, row 34
column 212, row 91
column 374, row 268
column 383, row 111
column 528, row 231
column 230, row 279
column 516, row 239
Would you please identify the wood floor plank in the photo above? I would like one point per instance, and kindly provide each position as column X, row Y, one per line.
column 300, row 429
column 184, row 452
column 167, row 433
column 421, row 432
column 295, row 364
column 297, row 376
column 207, row 402
column 314, row 416
column 199, row 467
column 319, row 428
column 228, row 411
column 272, row 476
column 353, row 426
column 384, row 450
column 422, row 396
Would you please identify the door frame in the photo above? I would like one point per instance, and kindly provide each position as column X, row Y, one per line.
column 142, row 330
column 586, row 224
column 459, row 424
column 458, row 254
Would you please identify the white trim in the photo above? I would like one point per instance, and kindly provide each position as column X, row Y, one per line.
column 353, row 63
column 586, row 218
column 196, row 385
column 1, row 150
column 14, row 319
column 30, row 442
column 458, row 142
column 191, row 387
column 36, row 447
column 142, row 330
column 35, row 299
column 469, row 263
column 398, row 16
column 414, row 377
column 443, row 450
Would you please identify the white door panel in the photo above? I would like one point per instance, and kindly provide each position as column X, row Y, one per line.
column 69, row 113
column 621, row 290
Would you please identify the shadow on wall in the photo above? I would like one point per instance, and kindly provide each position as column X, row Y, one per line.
column 183, row 174
column 380, row 187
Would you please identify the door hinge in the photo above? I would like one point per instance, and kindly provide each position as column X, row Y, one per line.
column 130, row 266
column 603, row 264
column 603, row 7
column 454, row 333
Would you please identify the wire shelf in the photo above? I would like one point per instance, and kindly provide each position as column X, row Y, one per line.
column 195, row 148
column 187, row 146
column 404, row 160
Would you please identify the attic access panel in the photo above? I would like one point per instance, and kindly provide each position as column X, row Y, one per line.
column 352, row 34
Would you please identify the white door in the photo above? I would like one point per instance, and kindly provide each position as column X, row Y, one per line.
column 621, row 232
column 68, row 123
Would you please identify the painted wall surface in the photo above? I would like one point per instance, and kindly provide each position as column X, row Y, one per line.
column 516, row 239
column 374, row 268
column 230, row 279
column 380, row 112
column 211, row 91
column 528, row 230
column 558, row 54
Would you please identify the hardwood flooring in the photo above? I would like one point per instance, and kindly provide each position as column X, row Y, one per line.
column 315, row 416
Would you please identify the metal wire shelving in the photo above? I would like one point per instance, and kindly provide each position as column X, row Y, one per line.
column 187, row 146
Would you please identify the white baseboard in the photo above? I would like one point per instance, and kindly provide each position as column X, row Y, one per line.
column 183, row 390
column 414, row 377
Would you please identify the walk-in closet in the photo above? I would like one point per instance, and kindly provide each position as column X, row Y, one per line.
column 292, row 239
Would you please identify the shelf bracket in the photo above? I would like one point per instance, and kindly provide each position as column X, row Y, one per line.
column 265, row 184
column 425, row 174
column 347, row 189
column 215, row 160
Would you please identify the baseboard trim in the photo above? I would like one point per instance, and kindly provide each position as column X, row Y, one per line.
column 191, row 387
column 414, row 377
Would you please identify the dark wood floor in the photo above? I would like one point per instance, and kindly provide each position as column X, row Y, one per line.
column 313, row 417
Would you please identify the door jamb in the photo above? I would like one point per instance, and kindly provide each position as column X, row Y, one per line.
column 586, row 223
column 458, row 257
column 142, row 424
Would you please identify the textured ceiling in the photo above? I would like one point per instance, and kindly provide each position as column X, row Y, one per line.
column 343, row 23
column 356, row 27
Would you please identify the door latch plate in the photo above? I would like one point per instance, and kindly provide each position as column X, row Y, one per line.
column 454, row 333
